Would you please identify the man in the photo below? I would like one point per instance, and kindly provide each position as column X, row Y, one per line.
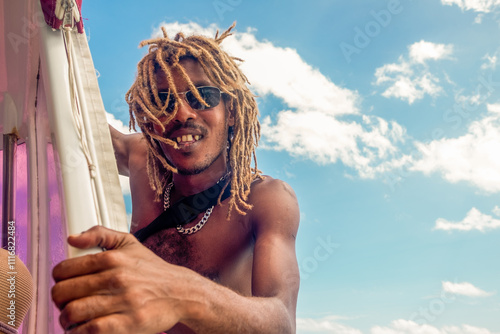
column 230, row 269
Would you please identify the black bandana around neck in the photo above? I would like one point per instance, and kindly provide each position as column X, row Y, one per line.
column 185, row 210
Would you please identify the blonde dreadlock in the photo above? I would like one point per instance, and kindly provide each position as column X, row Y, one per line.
column 146, row 107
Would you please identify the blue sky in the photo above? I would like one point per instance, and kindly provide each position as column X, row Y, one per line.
column 384, row 117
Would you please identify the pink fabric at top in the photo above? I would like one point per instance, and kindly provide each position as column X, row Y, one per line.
column 49, row 6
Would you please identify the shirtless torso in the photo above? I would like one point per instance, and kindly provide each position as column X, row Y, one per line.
column 223, row 250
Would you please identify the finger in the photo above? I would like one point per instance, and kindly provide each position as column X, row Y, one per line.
column 115, row 323
column 99, row 236
column 86, row 309
column 108, row 283
column 87, row 264
column 122, row 323
column 127, row 313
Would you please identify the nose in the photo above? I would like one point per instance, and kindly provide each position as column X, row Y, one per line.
column 185, row 112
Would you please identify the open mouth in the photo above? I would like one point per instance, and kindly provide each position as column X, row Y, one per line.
column 187, row 139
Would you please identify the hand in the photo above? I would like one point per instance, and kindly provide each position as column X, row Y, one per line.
column 126, row 289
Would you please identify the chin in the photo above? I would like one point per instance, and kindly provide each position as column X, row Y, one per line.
column 190, row 171
column 194, row 168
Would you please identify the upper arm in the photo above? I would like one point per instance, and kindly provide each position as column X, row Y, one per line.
column 124, row 146
column 275, row 217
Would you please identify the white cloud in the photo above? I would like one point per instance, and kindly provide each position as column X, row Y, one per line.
column 117, row 124
column 468, row 101
column 402, row 326
column 422, row 51
column 283, row 73
column 409, row 89
column 465, row 289
column 490, row 62
column 467, row 158
column 311, row 127
column 474, row 220
column 124, row 184
column 324, row 325
column 482, row 6
column 325, row 139
column 410, row 79
column 496, row 210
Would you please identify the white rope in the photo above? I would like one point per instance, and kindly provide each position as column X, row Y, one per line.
column 61, row 8
column 78, row 120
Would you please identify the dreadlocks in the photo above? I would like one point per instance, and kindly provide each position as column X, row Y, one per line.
column 146, row 108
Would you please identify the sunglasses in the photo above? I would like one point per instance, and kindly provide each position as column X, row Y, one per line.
column 211, row 96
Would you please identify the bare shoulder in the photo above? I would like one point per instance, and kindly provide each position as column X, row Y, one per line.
column 270, row 188
column 136, row 145
column 275, row 207
column 129, row 149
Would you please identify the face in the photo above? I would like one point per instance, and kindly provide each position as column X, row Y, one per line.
column 200, row 134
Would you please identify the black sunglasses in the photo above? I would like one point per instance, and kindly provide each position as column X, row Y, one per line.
column 211, row 96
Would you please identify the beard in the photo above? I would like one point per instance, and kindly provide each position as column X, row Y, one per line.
column 199, row 168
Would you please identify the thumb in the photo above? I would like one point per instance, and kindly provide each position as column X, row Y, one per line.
column 99, row 236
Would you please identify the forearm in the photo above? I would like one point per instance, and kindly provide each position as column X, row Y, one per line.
column 217, row 309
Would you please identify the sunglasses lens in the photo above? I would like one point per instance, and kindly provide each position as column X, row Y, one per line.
column 211, row 95
column 171, row 102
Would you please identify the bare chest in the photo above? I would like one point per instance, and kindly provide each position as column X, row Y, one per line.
column 221, row 251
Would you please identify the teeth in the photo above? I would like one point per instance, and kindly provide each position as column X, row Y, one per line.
column 187, row 138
